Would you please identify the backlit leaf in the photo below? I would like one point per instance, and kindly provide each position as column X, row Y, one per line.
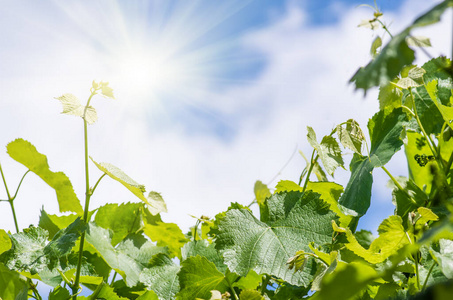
column 392, row 237
column 250, row 295
column 72, row 106
column 154, row 201
column 328, row 150
column 295, row 220
column 25, row 153
column 352, row 136
column 261, row 192
column 5, row 241
column 128, row 258
column 377, row 43
column 445, row 257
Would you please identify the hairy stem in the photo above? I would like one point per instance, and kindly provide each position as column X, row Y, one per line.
column 427, row 276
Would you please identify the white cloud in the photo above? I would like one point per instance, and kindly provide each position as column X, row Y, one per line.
column 303, row 82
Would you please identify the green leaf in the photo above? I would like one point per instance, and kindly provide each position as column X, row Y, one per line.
column 251, row 295
column 390, row 97
column 377, row 43
column 328, row 151
column 5, row 241
column 446, row 111
column 427, row 110
column 198, row 277
column 357, row 194
column 287, row 186
column 161, row 277
column 154, row 200
column 295, row 220
column 445, row 257
column 53, row 223
column 385, row 132
column 31, row 252
column 122, row 219
column 330, row 193
column 129, row 257
column 392, row 237
column 59, row 293
column 104, row 291
column 437, row 68
column 165, row 234
column 352, row 136
column 416, row 144
column 405, row 199
column 12, row 286
column 72, row 106
column 345, row 283
column 261, row 192
column 251, row 281
column 204, row 248
column 25, row 153
column 148, row 295
column 396, row 54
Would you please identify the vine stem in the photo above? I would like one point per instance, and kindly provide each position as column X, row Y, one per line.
column 312, row 164
column 88, row 193
column 10, row 199
column 398, row 185
column 231, row 288
column 427, row 276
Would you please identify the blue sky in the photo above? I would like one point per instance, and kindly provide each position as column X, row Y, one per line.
column 211, row 95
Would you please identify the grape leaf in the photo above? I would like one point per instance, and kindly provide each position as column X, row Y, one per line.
column 445, row 111
column 328, row 150
column 59, row 293
column 261, row 192
column 250, row 295
column 53, row 223
column 295, row 220
column 161, row 277
column 392, row 237
column 154, row 200
column 416, row 144
column 357, row 194
column 129, row 257
column 345, row 283
column 385, row 131
column 5, row 241
column 427, row 110
column 198, row 277
column 205, row 249
column 396, row 54
column 106, row 91
column 72, row 106
column 377, row 43
column 121, row 219
column 390, row 97
column 25, row 153
column 12, row 285
column 251, row 281
column 165, row 234
column 445, row 257
column 418, row 41
column 404, row 200
column 352, row 136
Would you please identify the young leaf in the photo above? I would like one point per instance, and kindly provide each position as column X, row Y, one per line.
column 59, row 293
column 251, row 281
column 154, row 199
column 251, row 295
column 53, row 223
column 161, row 277
column 404, row 200
column 106, row 90
column 390, row 97
column 129, row 257
column 261, row 192
column 418, row 41
column 198, row 277
column 25, row 153
column 328, row 151
column 295, row 220
column 446, row 111
column 352, row 136
column 72, row 106
column 377, row 43
column 392, row 237
column 205, row 249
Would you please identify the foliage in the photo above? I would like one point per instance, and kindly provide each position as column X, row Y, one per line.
column 304, row 241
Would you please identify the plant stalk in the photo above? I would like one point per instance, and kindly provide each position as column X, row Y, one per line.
column 88, row 194
column 312, row 164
